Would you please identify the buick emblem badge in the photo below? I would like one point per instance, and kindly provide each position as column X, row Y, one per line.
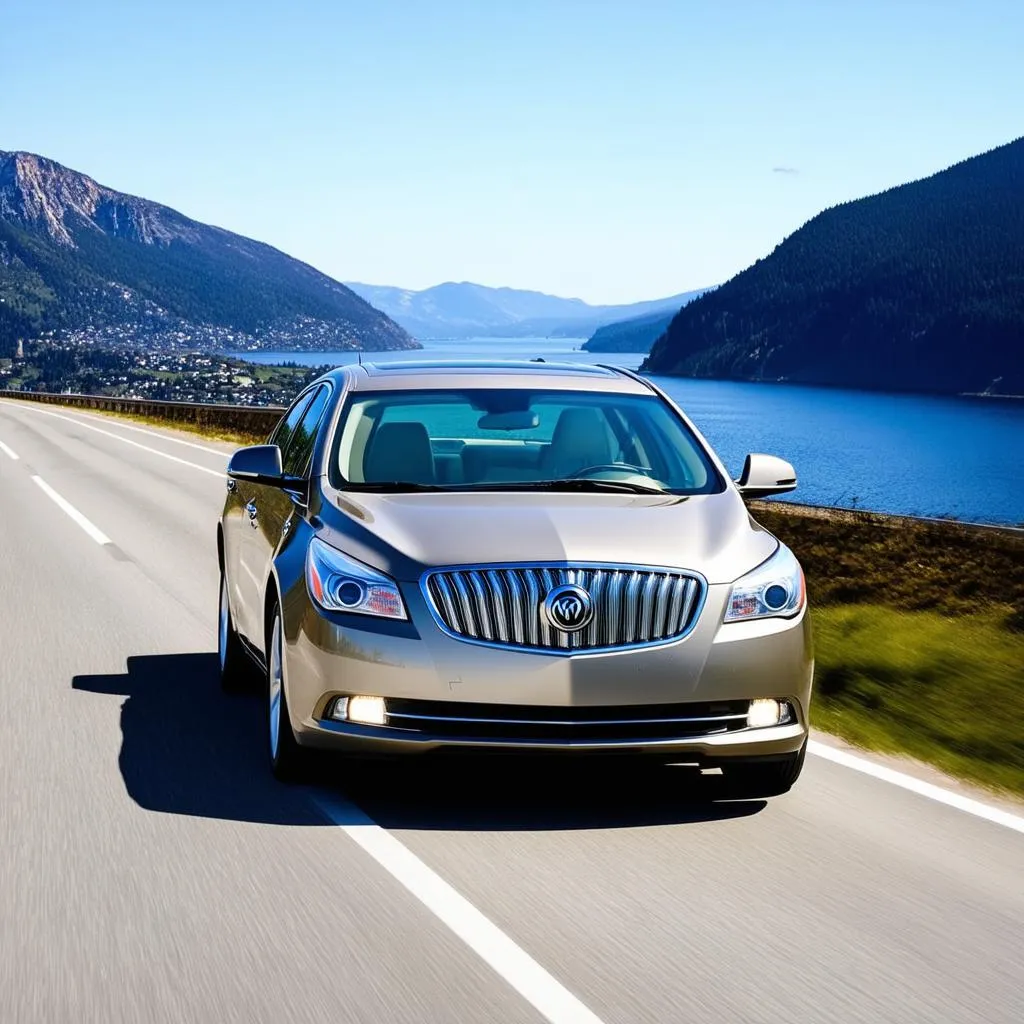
column 568, row 608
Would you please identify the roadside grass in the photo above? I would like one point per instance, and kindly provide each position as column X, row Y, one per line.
column 919, row 636
column 907, row 564
column 947, row 691
column 235, row 437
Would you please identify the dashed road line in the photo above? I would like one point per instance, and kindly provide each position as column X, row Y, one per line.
column 9, row 452
column 86, row 524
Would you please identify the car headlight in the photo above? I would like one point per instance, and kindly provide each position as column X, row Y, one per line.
column 774, row 588
column 341, row 584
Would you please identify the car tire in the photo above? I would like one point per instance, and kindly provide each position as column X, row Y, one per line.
column 288, row 761
column 752, row 779
column 236, row 670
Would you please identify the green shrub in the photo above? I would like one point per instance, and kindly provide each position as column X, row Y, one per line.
column 948, row 691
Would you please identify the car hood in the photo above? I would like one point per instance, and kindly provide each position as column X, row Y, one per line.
column 403, row 534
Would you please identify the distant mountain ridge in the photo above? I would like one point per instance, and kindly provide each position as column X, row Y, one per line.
column 467, row 310
column 917, row 288
column 95, row 265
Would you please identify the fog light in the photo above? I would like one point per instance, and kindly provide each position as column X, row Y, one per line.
column 367, row 710
column 764, row 712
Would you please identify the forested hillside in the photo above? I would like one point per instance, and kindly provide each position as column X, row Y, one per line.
column 638, row 333
column 917, row 288
column 82, row 260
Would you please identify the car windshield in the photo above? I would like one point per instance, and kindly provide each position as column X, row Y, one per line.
column 512, row 439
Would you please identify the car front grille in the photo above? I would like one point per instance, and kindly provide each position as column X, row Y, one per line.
column 503, row 605
column 645, row 723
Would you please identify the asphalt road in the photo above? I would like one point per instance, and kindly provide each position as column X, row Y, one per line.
column 151, row 870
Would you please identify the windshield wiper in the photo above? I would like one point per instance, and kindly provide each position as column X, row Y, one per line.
column 394, row 487
column 581, row 484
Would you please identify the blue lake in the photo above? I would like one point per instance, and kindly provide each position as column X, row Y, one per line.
column 908, row 454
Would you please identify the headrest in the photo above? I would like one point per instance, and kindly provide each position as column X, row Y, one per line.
column 399, row 452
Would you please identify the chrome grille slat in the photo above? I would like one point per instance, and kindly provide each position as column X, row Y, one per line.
column 661, row 604
column 545, row 582
column 631, row 604
column 517, row 597
column 501, row 605
column 648, row 589
column 533, row 607
column 502, row 617
column 611, row 616
column 480, row 605
column 688, row 598
column 467, row 604
column 676, row 603
column 596, row 586
column 449, row 602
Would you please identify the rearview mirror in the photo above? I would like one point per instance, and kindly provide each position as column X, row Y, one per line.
column 764, row 475
column 514, row 419
column 260, row 463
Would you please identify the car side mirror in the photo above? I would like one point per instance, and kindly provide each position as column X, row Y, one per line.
column 764, row 475
column 259, row 463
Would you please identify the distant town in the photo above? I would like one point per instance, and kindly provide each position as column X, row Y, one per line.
column 81, row 367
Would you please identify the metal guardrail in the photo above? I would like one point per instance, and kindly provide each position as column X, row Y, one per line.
column 255, row 421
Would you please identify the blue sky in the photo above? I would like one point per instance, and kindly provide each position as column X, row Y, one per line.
column 614, row 151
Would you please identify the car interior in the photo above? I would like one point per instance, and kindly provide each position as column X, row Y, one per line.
column 452, row 440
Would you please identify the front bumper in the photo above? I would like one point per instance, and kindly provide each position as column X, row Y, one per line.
column 717, row 667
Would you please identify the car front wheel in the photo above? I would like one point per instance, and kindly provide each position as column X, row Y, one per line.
column 287, row 758
column 751, row 779
column 236, row 670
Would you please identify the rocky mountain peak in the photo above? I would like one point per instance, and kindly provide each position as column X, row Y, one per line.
column 43, row 195
column 82, row 263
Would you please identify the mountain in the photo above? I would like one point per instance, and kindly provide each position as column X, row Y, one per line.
column 638, row 333
column 466, row 310
column 91, row 264
column 917, row 288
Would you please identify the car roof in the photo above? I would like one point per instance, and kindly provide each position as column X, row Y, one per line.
column 490, row 373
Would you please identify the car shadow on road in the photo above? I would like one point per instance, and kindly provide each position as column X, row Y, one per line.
column 516, row 794
column 188, row 748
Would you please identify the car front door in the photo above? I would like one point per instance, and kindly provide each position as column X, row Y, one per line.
column 276, row 506
column 247, row 562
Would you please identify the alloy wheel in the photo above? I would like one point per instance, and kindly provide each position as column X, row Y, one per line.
column 275, row 678
column 223, row 624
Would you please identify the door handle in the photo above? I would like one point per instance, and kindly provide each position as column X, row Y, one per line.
column 251, row 509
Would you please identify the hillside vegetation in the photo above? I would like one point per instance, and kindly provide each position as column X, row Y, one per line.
column 91, row 264
column 637, row 334
column 917, row 288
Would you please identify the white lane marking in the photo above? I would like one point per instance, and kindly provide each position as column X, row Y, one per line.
column 555, row 1002
column 925, row 789
column 94, row 531
column 134, row 444
column 9, row 452
column 140, row 430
